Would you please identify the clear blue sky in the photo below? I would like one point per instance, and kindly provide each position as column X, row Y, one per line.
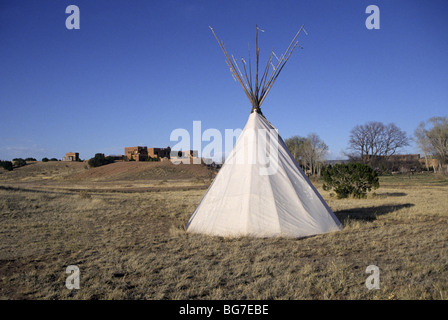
column 137, row 70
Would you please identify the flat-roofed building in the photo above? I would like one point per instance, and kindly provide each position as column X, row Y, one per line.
column 185, row 157
column 136, row 153
column 71, row 156
column 159, row 152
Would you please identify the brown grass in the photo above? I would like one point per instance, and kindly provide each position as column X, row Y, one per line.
column 132, row 245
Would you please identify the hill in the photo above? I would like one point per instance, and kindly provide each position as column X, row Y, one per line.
column 165, row 170
column 115, row 177
column 36, row 171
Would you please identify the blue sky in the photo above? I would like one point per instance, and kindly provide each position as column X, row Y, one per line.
column 137, row 70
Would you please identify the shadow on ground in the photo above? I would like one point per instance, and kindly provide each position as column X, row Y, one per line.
column 391, row 194
column 368, row 213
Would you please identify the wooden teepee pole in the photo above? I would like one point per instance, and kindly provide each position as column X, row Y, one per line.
column 232, row 67
column 281, row 63
column 258, row 93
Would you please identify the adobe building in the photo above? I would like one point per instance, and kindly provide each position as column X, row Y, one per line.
column 185, row 157
column 430, row 162
column 159, row 152
column 405, row 157
column 136, row 153
column 145, row 153
column 71, row 156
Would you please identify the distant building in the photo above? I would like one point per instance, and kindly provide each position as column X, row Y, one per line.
column 145, row 153
column 393, row 157
column 71, row 156
column 333, row 162
column 136, row 153
column 404, row 163
column 405, row 157
column 186, row 157
column 430, row 164
column 393, row 163
column 159, row 152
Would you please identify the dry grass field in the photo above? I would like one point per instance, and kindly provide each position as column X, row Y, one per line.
column 123, row 228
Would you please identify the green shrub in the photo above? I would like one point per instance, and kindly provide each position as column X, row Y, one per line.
column 7, row 165
column 354, row 179
column 30, row 159
column 100, row 160
column 19, row 162
column 45, row 159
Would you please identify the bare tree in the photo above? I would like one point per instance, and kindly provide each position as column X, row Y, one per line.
column 374, row 141
column 316, row 151
column 423, row 143
column 432, row 138
column 375, row 133
column 296, row 146
column 364, row 140
column 309, row 152
column 393, row 139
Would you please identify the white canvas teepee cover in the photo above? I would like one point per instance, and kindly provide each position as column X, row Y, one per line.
column 255, row 198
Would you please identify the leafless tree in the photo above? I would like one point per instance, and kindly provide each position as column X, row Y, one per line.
column 295, row 146
column 423, row 143
column 309, row 152
column 375, row 141
column 315, row 152
column 432, row 138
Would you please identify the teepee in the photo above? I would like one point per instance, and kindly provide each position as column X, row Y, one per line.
column 260, row 190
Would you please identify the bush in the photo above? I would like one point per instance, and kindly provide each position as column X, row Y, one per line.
column 30, row 159
column 45, row 159
column 18, row 162
column 100, row 160
column 155, row 159
column 7, row 165
column 350, row 179
column 54, row 159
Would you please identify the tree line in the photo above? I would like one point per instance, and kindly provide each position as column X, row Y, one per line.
column 378, row 145
column 375, row 144
column 432, row 139
column 309, row 152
